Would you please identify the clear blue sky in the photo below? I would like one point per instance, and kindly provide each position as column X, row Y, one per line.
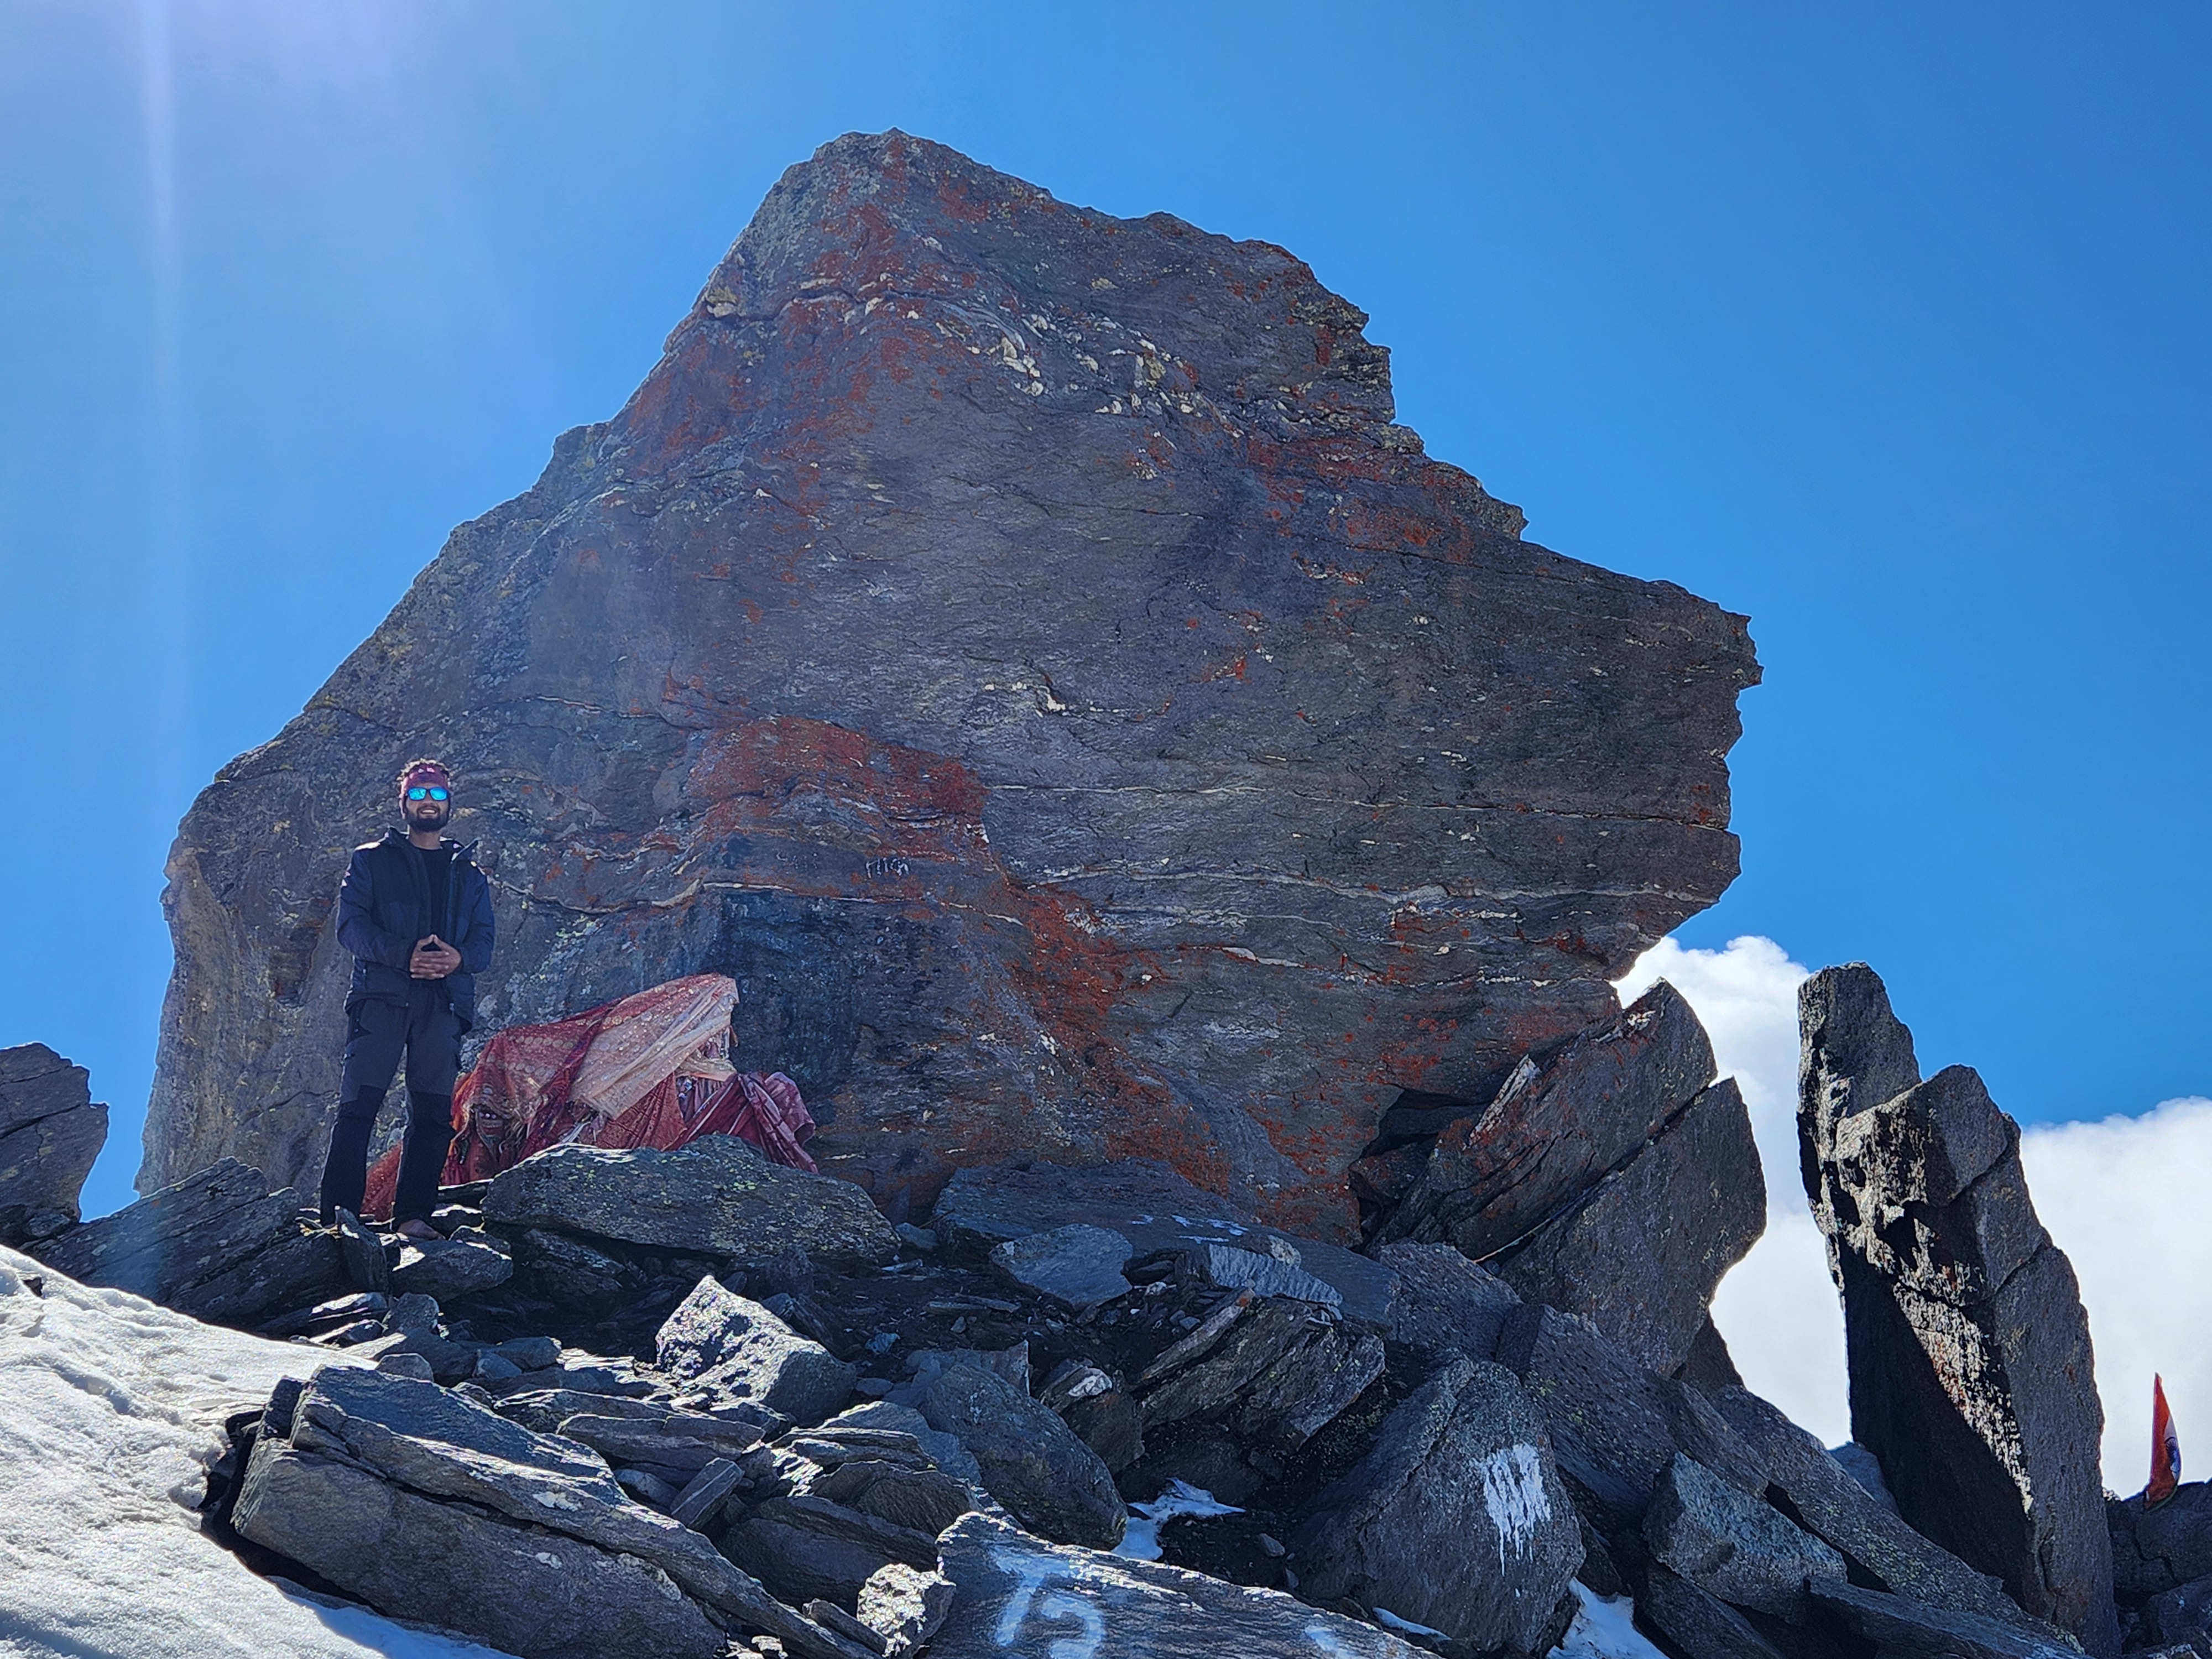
column 1885, row 324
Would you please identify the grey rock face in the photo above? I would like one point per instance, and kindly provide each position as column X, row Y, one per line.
column 1018, row 644
column 718, row 1337
column 1077, row 1265
column 2158, row 1550
column 50, row 1134
column 1156, row 1210
column 1972, row 1376
column 571, row 1274
column 1641, row 1253
column 539, row 1597
column 1030, row 1461
column 1017, row 1596
column 683, row 1441
column 2180, row 1617
column 1457, row 1519
column 717, row 1196
column 1446, row 1303
column 1732, row 1545
column 219, row 1246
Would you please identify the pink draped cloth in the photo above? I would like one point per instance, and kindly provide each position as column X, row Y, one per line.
column 650, row 1070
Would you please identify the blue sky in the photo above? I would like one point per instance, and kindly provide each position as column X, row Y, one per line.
column 1883, row 324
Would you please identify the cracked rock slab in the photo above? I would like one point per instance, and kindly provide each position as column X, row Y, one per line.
column 1972, row 1376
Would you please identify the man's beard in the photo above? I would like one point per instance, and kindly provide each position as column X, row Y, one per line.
column 417, row 819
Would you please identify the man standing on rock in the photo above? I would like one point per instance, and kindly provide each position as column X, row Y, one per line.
column 416, row 913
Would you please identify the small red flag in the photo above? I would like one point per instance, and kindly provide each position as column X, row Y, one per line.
column 2164, row 1449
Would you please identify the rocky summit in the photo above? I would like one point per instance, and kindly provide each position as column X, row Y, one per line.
column 1020, row 647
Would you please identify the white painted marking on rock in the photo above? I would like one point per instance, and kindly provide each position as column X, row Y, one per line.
column 1513, row 1493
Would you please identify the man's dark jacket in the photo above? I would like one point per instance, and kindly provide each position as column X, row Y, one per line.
column 385, row 905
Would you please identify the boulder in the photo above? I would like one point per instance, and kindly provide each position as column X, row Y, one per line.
column 219, row 1246
column 1607, row 1416
column 1156, row 1210
column 686, row 1442
column 1446, row 1304
column 719, row 1339
column 1232, row 1267
column 1732, row 1545
column 1555, row 1130
column 2154, row 1550
column 1029, row 1461
column 1833, row 1506
column 571, row 1274
column 1020, row 646
column 717, row 1196
column 426, row 1506
column 1900, row 1628
column 1696, row 1623
column 1309, row 1387
column 368, row 1268
column 1210, row 1369
column 806, row 1547
column 50, row 1132
column 1641, row 1252
column 925, row 1500
column 1077, row 1265
column 1971, row 1376
column 450, row 1268
column 1456, row 1518
column 904, row 1607
column 1016, row 1596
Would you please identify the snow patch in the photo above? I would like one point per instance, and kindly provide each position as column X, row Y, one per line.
column 111, row 1409
column 1604, row 1629
column 1141, row 1542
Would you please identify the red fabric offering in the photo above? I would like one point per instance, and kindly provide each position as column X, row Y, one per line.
column 650, row 1070
column 2164, row 1449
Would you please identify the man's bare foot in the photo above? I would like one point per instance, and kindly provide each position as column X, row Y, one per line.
column 411, row 1228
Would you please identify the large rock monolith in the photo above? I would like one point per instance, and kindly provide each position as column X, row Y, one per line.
column 1019, row 646
column 1972, row 1377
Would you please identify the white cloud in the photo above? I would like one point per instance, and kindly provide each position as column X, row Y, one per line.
column 2124, row 1199
column 1778, row 1308
column 2119, row 1197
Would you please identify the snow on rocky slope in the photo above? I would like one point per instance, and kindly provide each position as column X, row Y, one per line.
column 109, row 1408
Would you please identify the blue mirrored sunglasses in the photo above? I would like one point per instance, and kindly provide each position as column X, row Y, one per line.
column 433, row 791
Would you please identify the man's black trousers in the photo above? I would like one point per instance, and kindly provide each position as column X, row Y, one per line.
column 377, row 1035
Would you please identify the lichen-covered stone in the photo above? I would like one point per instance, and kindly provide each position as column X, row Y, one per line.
column 1020, row 646
column 716, row 1197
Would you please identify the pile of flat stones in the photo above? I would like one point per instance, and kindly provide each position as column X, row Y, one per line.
column 696, row 1403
